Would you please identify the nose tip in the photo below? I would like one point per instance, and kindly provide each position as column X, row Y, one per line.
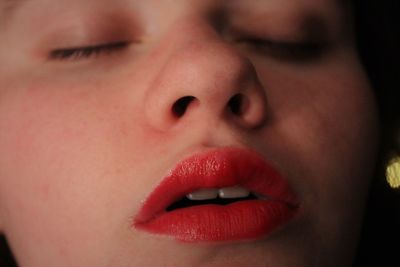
column 208, row 79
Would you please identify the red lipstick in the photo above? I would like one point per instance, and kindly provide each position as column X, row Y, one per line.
column 242, row 220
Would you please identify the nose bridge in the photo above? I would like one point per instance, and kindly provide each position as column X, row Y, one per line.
column 201, row 71
column 200, row 54
column 217, row 68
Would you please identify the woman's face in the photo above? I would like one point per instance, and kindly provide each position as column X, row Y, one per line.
column 99, row 100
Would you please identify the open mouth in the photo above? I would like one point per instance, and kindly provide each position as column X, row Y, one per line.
column 221, row 195
column 213, row 196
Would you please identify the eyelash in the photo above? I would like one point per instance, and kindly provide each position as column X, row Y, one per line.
column 286, row 50
column 86, row 52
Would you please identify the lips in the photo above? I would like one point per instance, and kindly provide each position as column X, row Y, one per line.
column 245, row 219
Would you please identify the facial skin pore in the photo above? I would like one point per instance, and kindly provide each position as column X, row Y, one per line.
column 87, row 90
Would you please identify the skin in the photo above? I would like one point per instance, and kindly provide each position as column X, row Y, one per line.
column 85, row 140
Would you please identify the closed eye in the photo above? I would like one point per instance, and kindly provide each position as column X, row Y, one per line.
column 86, row 52
column 286, row 50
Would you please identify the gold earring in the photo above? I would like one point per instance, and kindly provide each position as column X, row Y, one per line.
column 393, row 172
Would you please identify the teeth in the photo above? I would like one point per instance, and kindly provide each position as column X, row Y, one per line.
column 226, row 192
column 233, row 192
column 203, row 194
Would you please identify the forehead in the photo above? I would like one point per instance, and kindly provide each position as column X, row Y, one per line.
column 289, row 12
column 10, row 5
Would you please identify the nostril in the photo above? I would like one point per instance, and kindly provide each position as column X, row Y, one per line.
column 180, row 106
column 238, row 104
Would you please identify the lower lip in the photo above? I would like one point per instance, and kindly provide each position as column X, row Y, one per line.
column 243, row 220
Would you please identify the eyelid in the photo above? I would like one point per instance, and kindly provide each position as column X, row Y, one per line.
column 284, row 44
column 279, row 42
column 294, row 50
column 86, row 51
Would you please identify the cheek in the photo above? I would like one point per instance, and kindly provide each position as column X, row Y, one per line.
column 65, row 158
column 328, row 115
column 324, row 129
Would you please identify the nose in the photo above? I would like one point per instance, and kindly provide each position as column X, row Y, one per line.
column 203, row 78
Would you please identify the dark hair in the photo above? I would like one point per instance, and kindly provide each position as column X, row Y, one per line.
column 6, row 258
column 377, row 33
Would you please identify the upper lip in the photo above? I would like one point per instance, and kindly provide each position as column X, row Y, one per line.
column 217, row 168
